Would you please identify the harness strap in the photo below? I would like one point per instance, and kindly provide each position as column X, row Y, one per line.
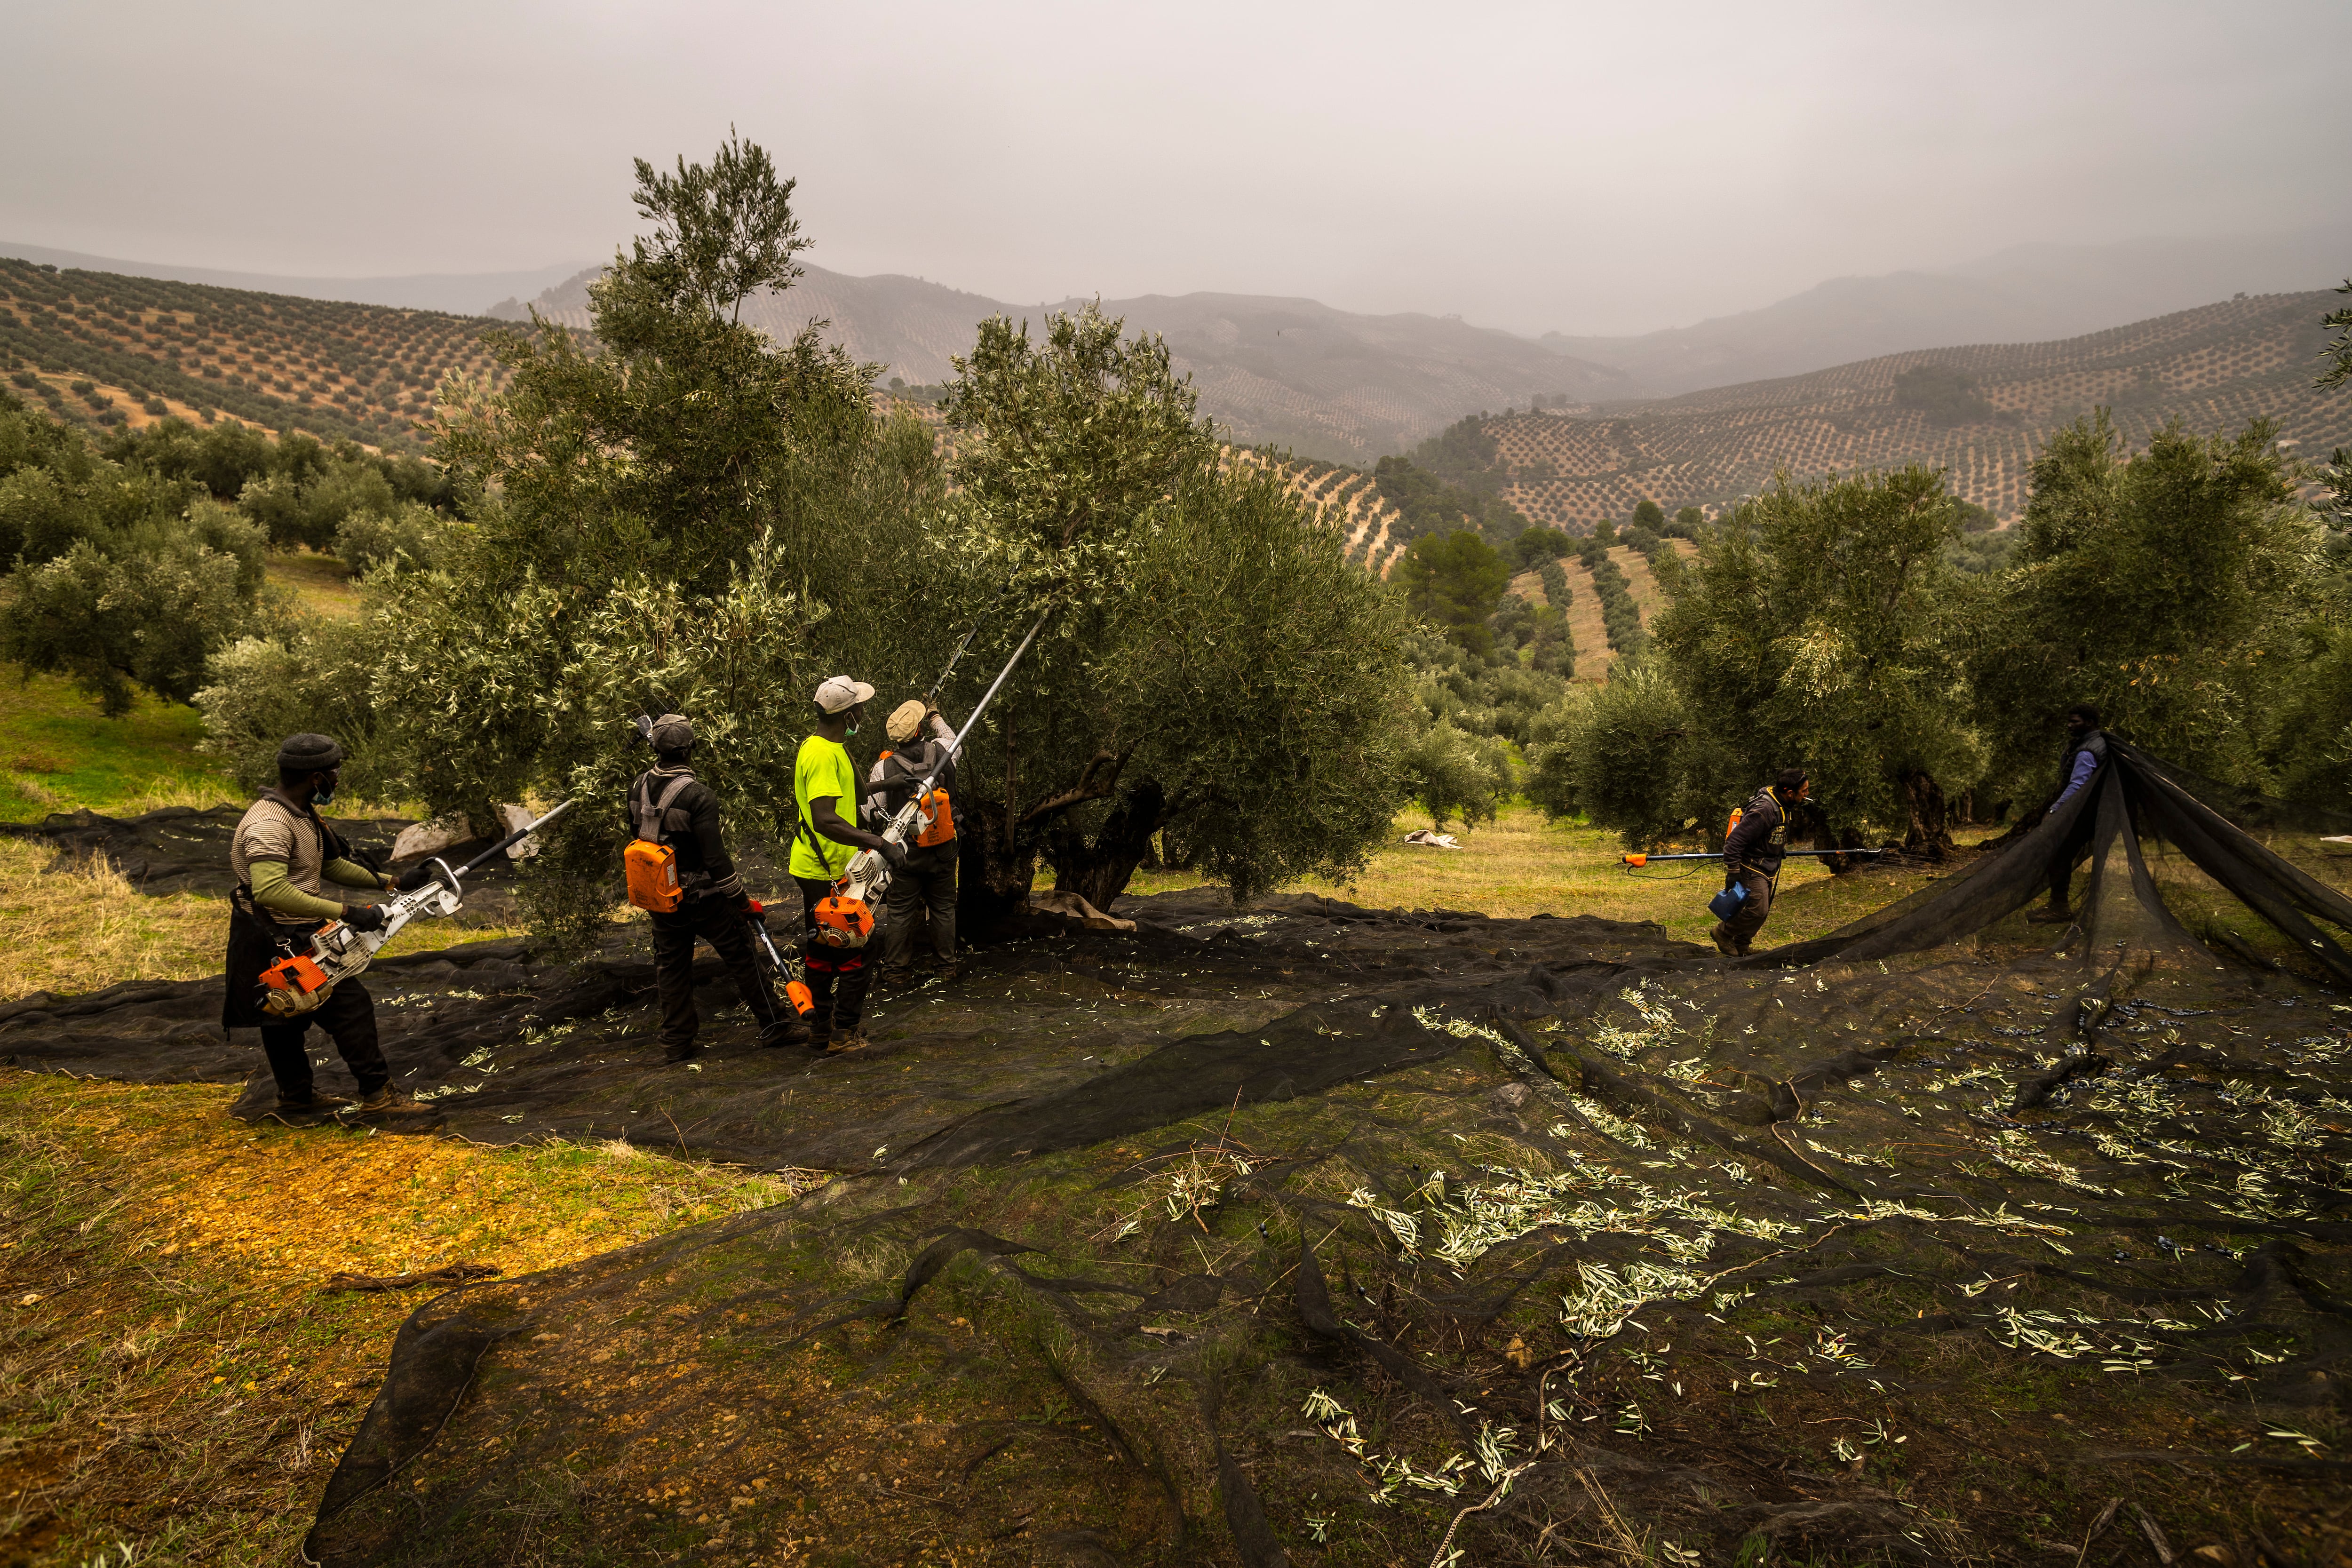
column 648, row 811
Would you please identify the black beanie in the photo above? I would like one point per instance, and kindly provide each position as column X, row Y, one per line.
column 308, row 753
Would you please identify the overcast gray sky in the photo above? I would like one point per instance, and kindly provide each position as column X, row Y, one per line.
column 1589, row 168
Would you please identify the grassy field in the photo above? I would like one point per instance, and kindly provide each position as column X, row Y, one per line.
column 321, row 582
column 1520, row 865
column 57, row 752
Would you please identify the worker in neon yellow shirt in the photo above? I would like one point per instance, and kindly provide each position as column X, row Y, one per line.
column 825, row 794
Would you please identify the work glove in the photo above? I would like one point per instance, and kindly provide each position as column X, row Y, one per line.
column 415, row 876
column 755, row 911
column 894, row 853
column 364, row 917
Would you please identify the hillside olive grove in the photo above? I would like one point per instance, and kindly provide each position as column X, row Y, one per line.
column 681, row 513
column 131, row 561
column 2185, row 588
column 677, row 511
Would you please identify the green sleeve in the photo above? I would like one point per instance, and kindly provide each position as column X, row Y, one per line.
column 350, row 874
column 272, row 892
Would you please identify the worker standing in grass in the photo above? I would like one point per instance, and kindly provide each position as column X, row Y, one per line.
column 669, row 806
column 282, row 854
column 927, row 882
column 825, row 794
column 2085, row 754
column 1751, row 860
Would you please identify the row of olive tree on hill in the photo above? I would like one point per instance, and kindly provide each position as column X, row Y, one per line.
column 682, row 514
column 2185, row 589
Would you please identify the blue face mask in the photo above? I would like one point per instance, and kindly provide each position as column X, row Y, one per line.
column 326, row 792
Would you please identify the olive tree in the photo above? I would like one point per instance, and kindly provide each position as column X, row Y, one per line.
column 2166, row 586
column 1813, row 629
column 116, row 576
column 671, row 512
column 1211, row 665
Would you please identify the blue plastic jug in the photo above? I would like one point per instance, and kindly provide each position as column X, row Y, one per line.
column 1726, row 904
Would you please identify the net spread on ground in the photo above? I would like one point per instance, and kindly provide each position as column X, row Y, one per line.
column 1386, row 1235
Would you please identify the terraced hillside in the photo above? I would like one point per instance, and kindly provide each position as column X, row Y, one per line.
column 2212, row 368
column 104, row 349
column 1376, row 533
column 1593, row 655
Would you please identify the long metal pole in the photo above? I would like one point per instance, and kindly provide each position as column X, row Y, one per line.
column 1785, row 855
column 956, row 657
column 517, row 836
column 956, row 745
column 905, row 816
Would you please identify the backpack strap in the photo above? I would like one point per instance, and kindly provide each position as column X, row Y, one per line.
column 803, row 828
column 649, row 810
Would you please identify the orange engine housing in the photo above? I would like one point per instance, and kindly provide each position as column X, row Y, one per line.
column 299, row 973
column 843, row 921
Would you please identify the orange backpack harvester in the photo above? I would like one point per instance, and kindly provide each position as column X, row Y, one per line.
column 935, row 820
column 934, row 817
column 652, row 865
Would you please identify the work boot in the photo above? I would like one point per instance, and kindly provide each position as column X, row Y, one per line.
column 842, row 1043
column 395, row 1102
column 950, row 970
column 318, row 1102
column 785, row 1032
column 899, row 979
column 2051, row 915
column 683, row 1051
column 1723, row 943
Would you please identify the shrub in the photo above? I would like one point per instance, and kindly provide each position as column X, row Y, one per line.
column 258, row 690
column 410, row 533
column 1452, row 774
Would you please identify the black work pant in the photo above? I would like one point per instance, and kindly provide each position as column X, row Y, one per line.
column 348, row 1015
column 725, row 928
column 929, row 882
column 1743, row 927
column 2072, row 852
column 837, row 976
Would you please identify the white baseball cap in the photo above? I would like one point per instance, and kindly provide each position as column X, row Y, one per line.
column 841, row 692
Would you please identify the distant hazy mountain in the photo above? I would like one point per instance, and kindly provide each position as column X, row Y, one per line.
column 461, row 293
column 1326, row 383
column 2028, row 293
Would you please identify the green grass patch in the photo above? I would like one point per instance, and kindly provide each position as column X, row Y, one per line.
column 57, row 752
